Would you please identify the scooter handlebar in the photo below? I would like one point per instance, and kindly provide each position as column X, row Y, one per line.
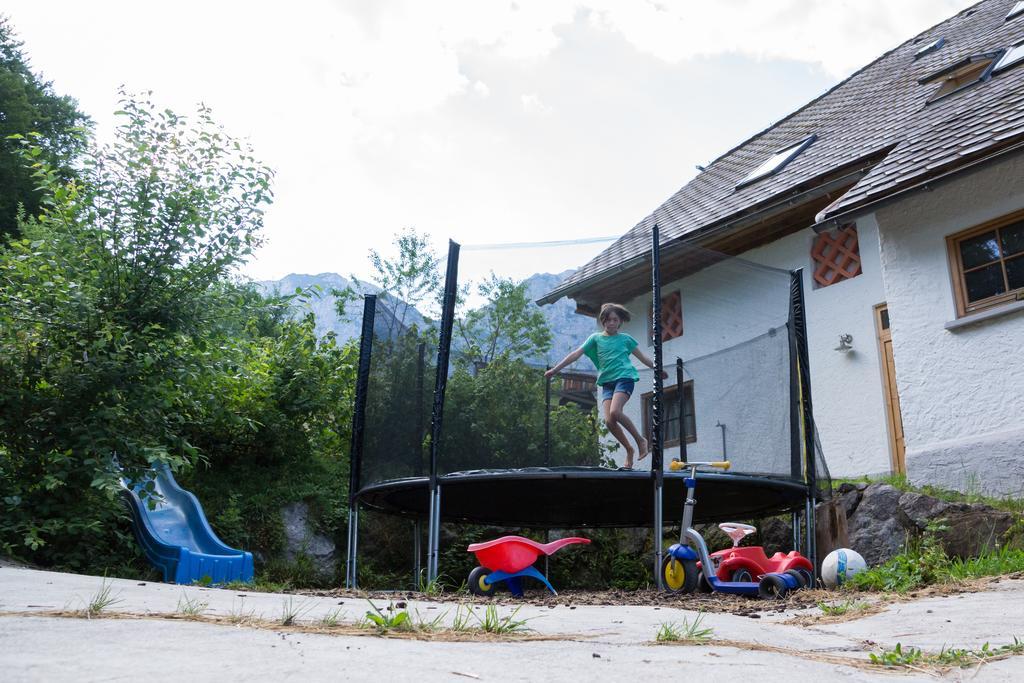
column 677, row 465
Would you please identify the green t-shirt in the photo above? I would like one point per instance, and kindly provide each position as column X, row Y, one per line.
column 610, row 353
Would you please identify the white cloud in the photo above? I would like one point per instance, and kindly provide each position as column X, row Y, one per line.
column 533, row 105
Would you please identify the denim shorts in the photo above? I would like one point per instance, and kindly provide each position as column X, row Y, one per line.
column 608, row 389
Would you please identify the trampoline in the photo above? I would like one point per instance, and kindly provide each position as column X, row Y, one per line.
column 581, row 497
column 443, row 442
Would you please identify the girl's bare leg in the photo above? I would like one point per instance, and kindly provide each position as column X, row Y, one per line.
column 618, row 402
column 616, row 431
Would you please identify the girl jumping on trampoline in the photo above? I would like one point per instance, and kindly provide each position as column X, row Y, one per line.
column 610, row 350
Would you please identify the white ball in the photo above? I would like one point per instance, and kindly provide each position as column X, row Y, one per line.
column 840, row 565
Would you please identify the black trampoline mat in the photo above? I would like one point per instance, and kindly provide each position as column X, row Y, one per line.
column 583, row 497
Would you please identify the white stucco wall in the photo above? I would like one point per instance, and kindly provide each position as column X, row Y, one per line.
column 724, row 306
column 962, row 390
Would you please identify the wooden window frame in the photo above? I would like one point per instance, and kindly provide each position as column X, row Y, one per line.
column 669, row 392
column 964, row 308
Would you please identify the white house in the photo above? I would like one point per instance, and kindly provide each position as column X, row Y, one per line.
column 900, row 193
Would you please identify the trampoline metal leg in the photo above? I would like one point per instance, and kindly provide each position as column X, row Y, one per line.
column 353, row 547
column 417, row 531
column 794, row 524
column 434, row 535
column 812, row 550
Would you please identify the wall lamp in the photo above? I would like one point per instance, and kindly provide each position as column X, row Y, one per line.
column 845, row 343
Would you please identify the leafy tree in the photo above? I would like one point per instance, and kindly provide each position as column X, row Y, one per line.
column 508, row 324
column 28, row 104
column 410, row 279
column 108, row 305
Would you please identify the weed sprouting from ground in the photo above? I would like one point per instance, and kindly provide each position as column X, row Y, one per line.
column 687, row 632
column 425, row 625
column 191, row 607
column 101, row 600
column 291, row 610
column 914, row 658
column 385, row 622
column 238, row 614
column 836, row 609
column 461, row 622
column 492, row 622
column 332, row 618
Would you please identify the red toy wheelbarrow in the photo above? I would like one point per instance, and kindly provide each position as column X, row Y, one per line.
column 507, row 559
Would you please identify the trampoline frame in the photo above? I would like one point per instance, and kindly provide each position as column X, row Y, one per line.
column 803, row 445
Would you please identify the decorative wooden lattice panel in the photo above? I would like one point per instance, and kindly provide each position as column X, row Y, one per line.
column 671, row 317
column 836, row 256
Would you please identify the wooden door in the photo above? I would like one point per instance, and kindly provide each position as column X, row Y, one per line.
column 894, row 418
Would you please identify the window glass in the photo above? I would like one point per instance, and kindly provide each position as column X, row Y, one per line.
column 1015, row 272
column 885, row 318
column 984, row 282
column 1013, row 238
column 980, row 249
column 1012, row 56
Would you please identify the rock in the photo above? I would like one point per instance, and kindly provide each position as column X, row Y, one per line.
column 850, row 495
column 776, row 535
column 875, row 528
column 884, row 518
column 968, row 529
column 300, row 539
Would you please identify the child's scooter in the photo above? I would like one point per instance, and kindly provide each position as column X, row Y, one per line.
column 679, row 570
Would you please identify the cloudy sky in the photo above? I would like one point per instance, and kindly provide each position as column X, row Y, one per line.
column 484, row 122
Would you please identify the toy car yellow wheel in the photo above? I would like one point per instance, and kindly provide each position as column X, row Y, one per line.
column 477, row 585
column 679, row 576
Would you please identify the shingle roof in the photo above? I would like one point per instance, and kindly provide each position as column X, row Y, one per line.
column 881, row 107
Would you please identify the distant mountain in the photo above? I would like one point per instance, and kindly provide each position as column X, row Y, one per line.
column 568, row 329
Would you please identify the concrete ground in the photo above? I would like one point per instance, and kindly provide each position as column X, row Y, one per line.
column 587, row 642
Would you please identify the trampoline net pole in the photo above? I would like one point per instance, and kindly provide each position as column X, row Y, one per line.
column 681, row 395
column 657, row 454
column 547, row 424
column 799, row 318
column 358, row 426
column 444, row 345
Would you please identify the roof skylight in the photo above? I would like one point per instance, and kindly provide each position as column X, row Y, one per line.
column 1012, row 56
column 1016, row 11
column 778, row 161
column 930, row 47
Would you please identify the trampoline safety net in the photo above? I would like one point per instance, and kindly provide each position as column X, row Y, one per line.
column 740, row 350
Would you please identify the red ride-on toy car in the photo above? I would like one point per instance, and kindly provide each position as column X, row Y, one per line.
column 750, row 563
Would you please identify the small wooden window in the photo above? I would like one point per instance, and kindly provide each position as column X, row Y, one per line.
column 670, row 415
column 671, row 318
column 972, row 72
column 836, row 256
column 987, row 263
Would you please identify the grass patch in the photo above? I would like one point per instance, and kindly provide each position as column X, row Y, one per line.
column 837, row 609
column 924, row 563
column 291, row 610
column 492, row 622
column 686, row 632
column 961, row 658
column 191, row 607
column 101, row 600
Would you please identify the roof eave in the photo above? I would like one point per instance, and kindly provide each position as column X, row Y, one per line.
column 829, row 220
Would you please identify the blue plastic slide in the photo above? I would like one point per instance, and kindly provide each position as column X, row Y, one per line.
column 177, row 538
